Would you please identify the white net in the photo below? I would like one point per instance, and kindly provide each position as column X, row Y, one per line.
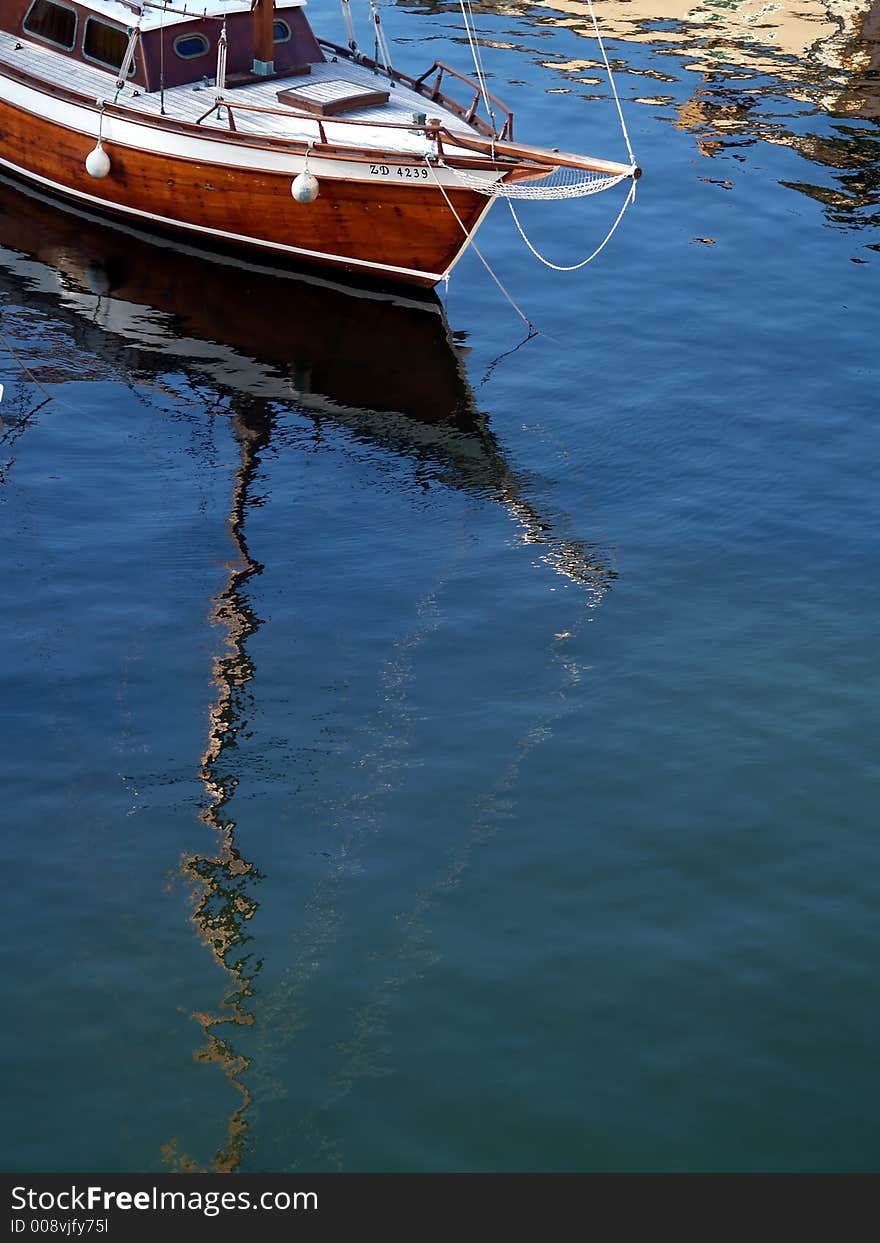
column 557, row 183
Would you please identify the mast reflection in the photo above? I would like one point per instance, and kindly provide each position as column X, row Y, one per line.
column 223, row 883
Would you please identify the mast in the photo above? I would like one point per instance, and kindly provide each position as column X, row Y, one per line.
column 264, row 37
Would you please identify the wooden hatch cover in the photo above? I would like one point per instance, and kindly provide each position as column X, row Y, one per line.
column 332, row 97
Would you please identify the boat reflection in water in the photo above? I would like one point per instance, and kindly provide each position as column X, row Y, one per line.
column 741, row 61
column 256, row 341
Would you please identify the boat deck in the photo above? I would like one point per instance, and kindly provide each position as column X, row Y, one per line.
column 189, row 103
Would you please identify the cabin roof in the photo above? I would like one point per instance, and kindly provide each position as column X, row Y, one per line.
column 152, row 15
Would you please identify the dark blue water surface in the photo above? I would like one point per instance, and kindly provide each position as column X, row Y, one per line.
column 426, row 749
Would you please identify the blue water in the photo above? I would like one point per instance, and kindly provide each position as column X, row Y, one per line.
column 429, row 748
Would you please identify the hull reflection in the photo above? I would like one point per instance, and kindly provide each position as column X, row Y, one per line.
column 256, row 330
column 382, row 366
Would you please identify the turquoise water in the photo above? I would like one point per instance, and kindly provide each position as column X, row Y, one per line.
column 426, row 748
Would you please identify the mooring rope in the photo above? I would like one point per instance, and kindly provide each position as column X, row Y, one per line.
column 13, row 353
column 469, row 235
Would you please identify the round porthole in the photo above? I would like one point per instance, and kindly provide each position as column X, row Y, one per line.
column 280, row 32
column 189, row 46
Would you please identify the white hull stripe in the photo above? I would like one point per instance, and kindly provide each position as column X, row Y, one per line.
column 317, row 256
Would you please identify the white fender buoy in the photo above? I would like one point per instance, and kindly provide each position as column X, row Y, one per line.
column 305, row 188
column 96, row 279
column 98, row 162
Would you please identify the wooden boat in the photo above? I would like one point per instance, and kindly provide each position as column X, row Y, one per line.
column 239, row 125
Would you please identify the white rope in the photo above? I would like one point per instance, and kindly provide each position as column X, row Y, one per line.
column 611, row 82
column 470, row 241
column 381, row 45
column 465, row 7
column 630, row 198
column 349, row 23
column 584, row 187
column 162, row 57
column 128, row 60
column 222, row 49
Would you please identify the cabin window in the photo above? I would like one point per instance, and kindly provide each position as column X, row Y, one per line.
column 188, row 46
column 105, row 44
column 53, row 23
column 280, row 32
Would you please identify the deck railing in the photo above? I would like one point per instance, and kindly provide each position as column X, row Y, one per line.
column 468, row 113
column 231, row 107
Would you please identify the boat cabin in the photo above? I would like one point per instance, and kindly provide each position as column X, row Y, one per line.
column 175, row 47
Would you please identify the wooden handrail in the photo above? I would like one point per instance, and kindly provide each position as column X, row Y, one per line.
column 542, row 155
column 409, row 126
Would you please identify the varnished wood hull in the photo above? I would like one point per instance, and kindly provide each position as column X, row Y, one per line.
column 401, row 231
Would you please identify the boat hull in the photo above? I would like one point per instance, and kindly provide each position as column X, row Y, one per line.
column 236, row 193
